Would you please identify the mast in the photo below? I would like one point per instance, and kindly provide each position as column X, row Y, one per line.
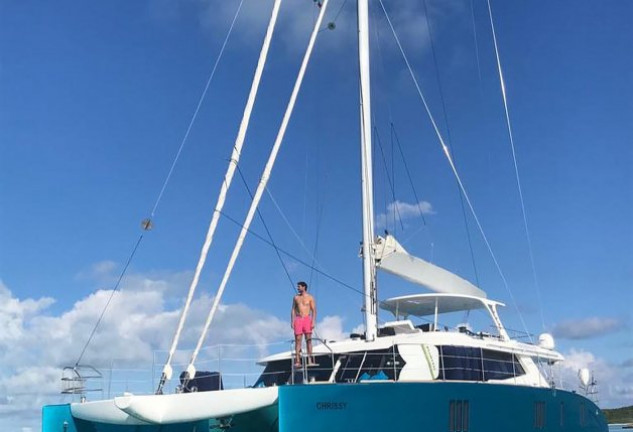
column 369, row 268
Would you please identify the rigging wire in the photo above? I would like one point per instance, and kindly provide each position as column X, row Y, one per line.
column 406, row 168
column 114, row 290
column 306, row 264
column 332, row 24
column 392, row 135
column 270, row 236
column 476, row 43
column 317, row 236
column 314, row 261
column 316, row 105
column 448, row 134
column 196, row 111
column 147, row 223
column 261, row 186
column 339, row 11
column 381, row 72
column 228, row 177
column 452, row 165
column 516, row 166
column 393, row 190
column 290, row 227
column 294, row 257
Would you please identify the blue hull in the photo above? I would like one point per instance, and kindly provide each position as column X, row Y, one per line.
column 435, row 406
column 424, row 407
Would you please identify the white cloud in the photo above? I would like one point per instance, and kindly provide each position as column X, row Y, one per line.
column 100, row 269
column 14, row 312
column 330, row 328
column 614, row 387
column 134, row 333
column 587, row 328
column 359, row 329
column 401, row 211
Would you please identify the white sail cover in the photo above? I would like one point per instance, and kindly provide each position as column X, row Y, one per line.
column 393, row 258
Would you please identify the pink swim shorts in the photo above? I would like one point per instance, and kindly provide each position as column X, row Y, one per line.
column 303, row 325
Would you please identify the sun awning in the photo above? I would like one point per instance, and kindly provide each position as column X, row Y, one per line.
column 421, row 305
column 393, row 258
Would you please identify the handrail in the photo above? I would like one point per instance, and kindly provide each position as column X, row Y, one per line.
column 75, row 380
column 238, row 368
column 304, row 356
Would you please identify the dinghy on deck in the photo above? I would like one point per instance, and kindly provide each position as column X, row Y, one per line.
column 175, row 408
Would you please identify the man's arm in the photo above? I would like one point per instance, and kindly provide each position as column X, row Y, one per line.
column 292, row 314
column 313, row 309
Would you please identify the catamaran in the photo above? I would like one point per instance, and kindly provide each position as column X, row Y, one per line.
column 411, row 373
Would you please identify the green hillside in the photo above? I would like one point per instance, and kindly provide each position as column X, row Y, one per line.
column 619, row 415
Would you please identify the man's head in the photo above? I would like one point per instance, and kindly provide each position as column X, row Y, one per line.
column 302, row 287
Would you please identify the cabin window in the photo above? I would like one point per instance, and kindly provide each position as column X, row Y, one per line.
column 275, row 373
column 458, row 416
column 499, row 365
column 539, row 415
column 383, row 364
column 323, row 369
column 476, row 364
column 279, row 372
column 460, row 363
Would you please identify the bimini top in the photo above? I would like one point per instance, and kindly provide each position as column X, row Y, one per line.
column 392, row 258
column 421, row 305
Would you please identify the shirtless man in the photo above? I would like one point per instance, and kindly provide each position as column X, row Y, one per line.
column 302, row 320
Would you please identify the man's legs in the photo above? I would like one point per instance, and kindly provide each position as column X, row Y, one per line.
column 309, row 345
column 298, row 349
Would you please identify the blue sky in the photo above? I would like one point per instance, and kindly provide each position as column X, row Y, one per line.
column 95, row 100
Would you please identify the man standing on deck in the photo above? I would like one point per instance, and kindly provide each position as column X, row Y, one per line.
column 303, row 320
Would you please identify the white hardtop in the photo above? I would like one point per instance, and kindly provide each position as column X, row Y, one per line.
column 407, row 334
column 423, row 305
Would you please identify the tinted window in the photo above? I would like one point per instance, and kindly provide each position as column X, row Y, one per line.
column 476, row 364
column 498, row 365
column 368, row 365
column 278, row 372
column 323, row 369
column 275, row 373
column 460, row 363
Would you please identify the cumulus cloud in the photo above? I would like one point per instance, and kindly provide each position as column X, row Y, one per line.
column 614, row 386
column 133, row 339
column 587, row 328
column 401, row 211
column 98, row 270
column 14, row 313
column 330, row 328
column 131, row 343
column 359, row 329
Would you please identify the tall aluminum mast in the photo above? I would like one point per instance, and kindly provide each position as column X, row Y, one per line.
column 369, row 268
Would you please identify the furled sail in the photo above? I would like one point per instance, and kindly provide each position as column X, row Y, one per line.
column 393, row 258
